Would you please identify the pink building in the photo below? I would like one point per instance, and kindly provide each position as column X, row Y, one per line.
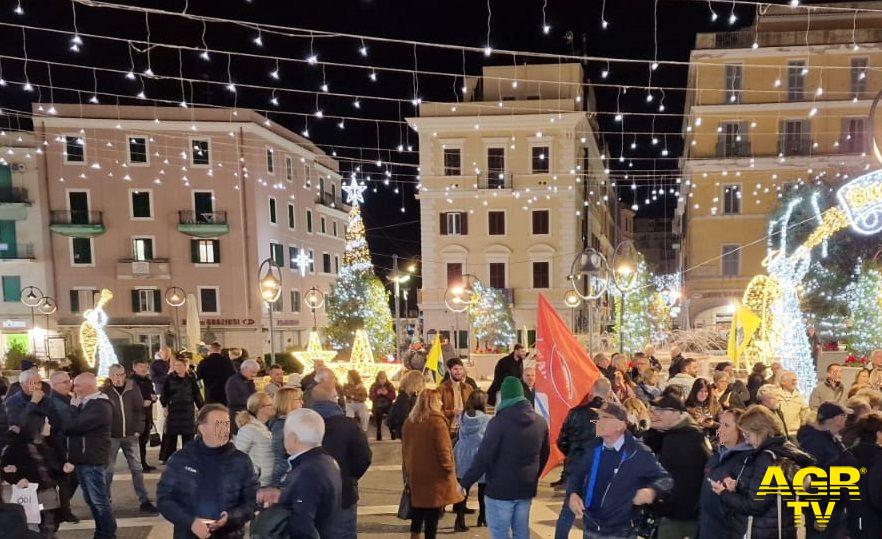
column 141, row 199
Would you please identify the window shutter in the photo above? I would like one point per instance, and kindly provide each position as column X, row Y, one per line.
column 216, row 245
column 443, row 226
column 135, row 302
column 74, row 301
column 157, row 301
column 194, row 251
column 782, row 136
column 464, row 219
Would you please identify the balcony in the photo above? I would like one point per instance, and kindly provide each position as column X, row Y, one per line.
column 76, row 224
column 853, row 145
column 792, row 145
column 727, row 148
column 329, row 200
column 16, row 251
column 496, row 180
column 203, row 224
column 129, row 268
column 14, row 204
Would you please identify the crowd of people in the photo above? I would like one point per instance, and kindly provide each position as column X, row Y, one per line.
column 649, row 451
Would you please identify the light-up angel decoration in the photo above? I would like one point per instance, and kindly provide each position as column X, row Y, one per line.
column 93, row 338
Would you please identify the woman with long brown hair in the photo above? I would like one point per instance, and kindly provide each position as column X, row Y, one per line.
column 430, row 473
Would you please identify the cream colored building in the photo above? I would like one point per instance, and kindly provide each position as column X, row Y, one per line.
column 512, row 189
column 780, row 105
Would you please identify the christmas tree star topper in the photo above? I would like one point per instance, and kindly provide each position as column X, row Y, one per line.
column 354, row 192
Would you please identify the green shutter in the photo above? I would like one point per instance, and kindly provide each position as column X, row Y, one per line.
column 216, row 244
column 194, row 251
column 136, row 305
column 74, row 301
column 11, row 288
column 157, row 301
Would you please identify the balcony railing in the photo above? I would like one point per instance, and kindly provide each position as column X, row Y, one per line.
column 128, row 268
column 16, row 251
column 495, row 180
column 795, row 146
column 75, row 217
column 153, row 260
column 329, row 200
column 14, row 195
column 733, row 148
column 852, row 145
column 189, row 217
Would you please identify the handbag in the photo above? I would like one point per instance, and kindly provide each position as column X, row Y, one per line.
column 404, row 507
column 155, row 439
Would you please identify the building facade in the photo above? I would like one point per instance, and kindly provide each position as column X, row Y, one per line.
column 513, row 188
column 654, row 238
column 779, row 106
column 141, row 199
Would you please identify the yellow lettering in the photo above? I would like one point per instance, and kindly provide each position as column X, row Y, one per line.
column 797, row 510
column 802, row 480
column 844, row 478
column 774, row 483
column 822, row 518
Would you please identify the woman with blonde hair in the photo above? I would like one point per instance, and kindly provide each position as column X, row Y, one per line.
column 638, row 416
column 254, row 437
column 411, row 384
column 764, row 432
column 427, row 454
column 287, row 400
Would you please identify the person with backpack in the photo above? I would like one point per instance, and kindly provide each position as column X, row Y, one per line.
column 714, row 520
column 768, row 518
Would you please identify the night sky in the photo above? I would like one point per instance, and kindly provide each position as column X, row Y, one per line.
column 515, row 25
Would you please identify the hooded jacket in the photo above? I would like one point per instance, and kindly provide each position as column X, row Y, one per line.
column 347, row 443
column 512, row 454
column 715, row 520
column 128, row 408
column 615, row 513
column 864, row 516
column 683, row 450
column 763, row 511
column 471, row 432
column 88, row 433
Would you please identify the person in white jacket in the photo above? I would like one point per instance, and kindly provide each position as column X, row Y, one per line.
column 254, row 437
column 792, row 403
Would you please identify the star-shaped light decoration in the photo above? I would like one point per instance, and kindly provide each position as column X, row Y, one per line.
column 313, row 352
column 362, row 360
column 354, row 192
column 303, row 261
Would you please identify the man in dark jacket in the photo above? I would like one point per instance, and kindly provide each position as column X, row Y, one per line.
column 821, row 441
column 239, row 387
column 180, row 398
column 347, row 443
column 528, row 380
column 128, row 422
column 141, row 379
column 59, row 399
column 29, row 399
column 756, row 380
column 674, row 434
column 214, row 371
column 159, row 368
column 88, row 445
column 617, row 475
column 208, row 488
column 510, row 365
column 313, row 490
column 511, row 456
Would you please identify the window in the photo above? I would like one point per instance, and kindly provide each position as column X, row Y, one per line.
column 81, row 249
column 454, row 223
column 307, row 175
column 11, row 288
column 137, row 147
column 858, row 77
column 336, row 264
column 208, row 300
column 277, row 253
column 454, row 274
column 272, row 211
column 496, row 168
column 309, row 221
column 146, row 300
column 292, row 217
column 733, row 83
column 295, row 301
column 322, row 225
column 270, row 163
column 496, row 223
column 334, row 227
column 326, row 263
column 277, row 305
column 203, row 206
column 796, row 72
column 142, row 249
column 200, row 152
column 795, row 137
column 205, row 251
column 82, row 299
column 540, row 159
column 540, row 222
column 853, row 135
column 731, row 199
column 74, row 149
column 497, row 275
column 452, row 161
column 540, row 275
column 141, row 205
column 311, row 261
column 732, row 140
column 292, row 256
column 731, row 260
column 289, row 168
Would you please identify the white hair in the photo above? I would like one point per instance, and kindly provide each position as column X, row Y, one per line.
column 56, row 376
column 28, row 375
column 116, row 367
column 766, row 390
column 602, row 387
column 323, row 375
column 306, row 425
column 250, row 364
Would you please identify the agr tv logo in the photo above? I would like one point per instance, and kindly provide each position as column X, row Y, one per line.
column 812, row 489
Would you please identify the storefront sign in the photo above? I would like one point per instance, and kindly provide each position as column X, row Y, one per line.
column 227, row 322
column 55, row 347
column 287, row 322
column 861, row 200
column 14, row 324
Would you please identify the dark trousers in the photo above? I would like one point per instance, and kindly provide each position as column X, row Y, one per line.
column 67, row 485
column 170, row 442
column 379, row 414
column 145, row 436
column 425, row 517
column 460, row 507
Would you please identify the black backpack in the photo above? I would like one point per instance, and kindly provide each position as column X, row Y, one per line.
column 271, row 523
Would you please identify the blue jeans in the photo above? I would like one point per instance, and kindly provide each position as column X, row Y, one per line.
column 346, row 523
column 93, row 482
column 508, row 518
column 131, row 451
column 564, row 521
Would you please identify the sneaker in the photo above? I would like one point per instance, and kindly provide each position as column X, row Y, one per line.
column 148, row 468
column 69, row 517
column 148, row 507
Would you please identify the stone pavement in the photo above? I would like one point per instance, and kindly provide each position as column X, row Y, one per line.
column 380, row 491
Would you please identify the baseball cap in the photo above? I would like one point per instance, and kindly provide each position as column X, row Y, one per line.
column 829, row 410
column 614, row 410
column 669, row 402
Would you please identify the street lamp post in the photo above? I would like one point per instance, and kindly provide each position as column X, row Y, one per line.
column 589, row 277
column 398, row 278
column 460, row 298
column 46, row 308
column 270, row 287
column 176, row 297
column 32, row 297
column 314, row 299
column 572, row 300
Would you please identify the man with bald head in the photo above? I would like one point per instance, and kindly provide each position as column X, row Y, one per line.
column 59, row 400
column 88, row 443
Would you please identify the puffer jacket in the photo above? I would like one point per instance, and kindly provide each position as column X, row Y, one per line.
column 128, row 408
column 715, row 520
column 88, row 434
column 670, row 446
column 766, row 520
column 182, row 398
column 471, row 432
column 280, row 455
column 399, row 412
column 820, row 444
column 256, row 441
column 864, row 516
column 578, row 431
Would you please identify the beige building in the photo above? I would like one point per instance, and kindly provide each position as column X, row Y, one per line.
column 512, row 189
column 141, row 199
column 777, row 106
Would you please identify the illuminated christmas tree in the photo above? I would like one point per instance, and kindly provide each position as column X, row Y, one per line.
column 491, row 318
column 358, row 300
column 635, row 324
column 866, row 312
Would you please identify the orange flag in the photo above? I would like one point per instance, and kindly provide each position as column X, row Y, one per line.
column 564, row 373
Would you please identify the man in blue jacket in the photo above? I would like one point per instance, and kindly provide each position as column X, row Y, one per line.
column 617, row 474
column 511, row 456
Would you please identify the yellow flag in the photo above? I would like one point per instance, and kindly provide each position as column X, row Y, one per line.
column 748, row 322
column 434, row 357
column 732, row 349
